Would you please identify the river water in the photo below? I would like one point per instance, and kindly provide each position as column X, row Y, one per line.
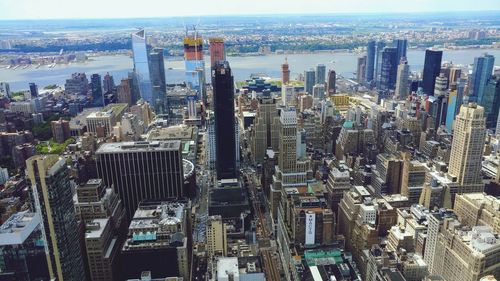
column 119, row 65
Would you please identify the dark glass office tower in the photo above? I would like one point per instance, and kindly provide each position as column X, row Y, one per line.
column 96, row 84
column 481, row 73
column 33, row 90
column 225, row 137
column 389, row 69
column 157, row 72
column 432, row 67
column 402, row 46
column 142, row 171
column 370, row 61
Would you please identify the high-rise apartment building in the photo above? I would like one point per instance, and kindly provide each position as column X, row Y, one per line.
column 467, row 148
column 60, row 130
column 77, row 84
column 225, row 133
column 141, row 171
column 216, row 232
column 108, row 83
column 320, row 74
column 309, row 80
column 370, row 61
column 141, row 65
column 217, row 50
column 285, row 73
column 481, row 73
column 432, row 68
column 402, row 81
column 50, row 185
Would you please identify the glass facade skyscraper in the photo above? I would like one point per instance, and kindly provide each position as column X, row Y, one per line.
column 432, row 68
column 225, row 133
column 370, row 61
column 141, row 65
column 481, row 73
column 388, row 72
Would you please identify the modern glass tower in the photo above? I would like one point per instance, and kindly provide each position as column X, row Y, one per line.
column 388, row 72
column 309, row 80
column 225, row 133
column 320, row 74
column 378, row 60
column 157, row 71
column 432, row 68
column 402, row 46
column 481, row 73
column 141, row 65
column 370, row 61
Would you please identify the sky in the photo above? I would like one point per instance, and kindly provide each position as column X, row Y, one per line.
column 69, row 9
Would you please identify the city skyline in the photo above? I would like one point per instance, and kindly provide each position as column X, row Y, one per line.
column 28, row 9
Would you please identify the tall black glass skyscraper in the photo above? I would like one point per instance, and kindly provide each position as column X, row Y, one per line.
column 97, row 96
column 402, row 46
column 370, row 61
column 225, row 137
column 389, row 69
column 432, row 67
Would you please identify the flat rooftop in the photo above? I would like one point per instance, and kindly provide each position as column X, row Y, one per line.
column 139, row 146
column 16, row 229
column 95, row 228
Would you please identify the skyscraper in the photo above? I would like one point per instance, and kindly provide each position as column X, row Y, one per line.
column 388, row 72
column 108, row 83
column 33, row 90
column 51, row 190
column 360, row 73
column 467, row 148
column 378, row 60
column 320, row 74
column 441, row 100
column 370, row 61
column 481, row 73
column 157, row 72
column 193, row 59
column 490, row 100
column 285, row 72
column 217, row 51
column 309, row 80
column 141, row 65
column 96, row 87
column 330, row 85
column 432, row 67
column 402, row 46
column 142, row 170
column 225, row 134
column 402, row 83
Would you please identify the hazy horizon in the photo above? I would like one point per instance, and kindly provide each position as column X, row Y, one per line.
column 116, row 9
